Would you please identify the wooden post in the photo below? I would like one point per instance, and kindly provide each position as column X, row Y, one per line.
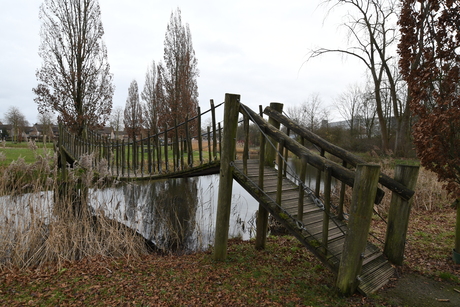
column 142, row 157
column 303, row 174
column 209, row 144
column 364, row 191
column 262, row 213
column 246, row 143
column 327, row 207
column 200, row 138
column 398, row 215
column 220, row 140
column 123, row 157
column 231, row 110
column 187, row 143
column 280, row 162
column 286, row 155
column 166, row 149
column 342, row 196
column 214, row 132
column 270, row 154
column 318, row 178
column 149, row 154
column 176, row 150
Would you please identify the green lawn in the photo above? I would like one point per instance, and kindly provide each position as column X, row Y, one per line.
column 10, row 152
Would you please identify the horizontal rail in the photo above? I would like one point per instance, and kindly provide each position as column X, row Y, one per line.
column 339, row 152
column 341, row 173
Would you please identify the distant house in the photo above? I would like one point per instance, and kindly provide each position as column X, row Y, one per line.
column 106, row 132
column 5, row 131
column 38, row 132
column 111, row 134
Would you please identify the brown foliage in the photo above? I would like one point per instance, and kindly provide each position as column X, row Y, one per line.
column 430, row 63
column 180, row 73
column 75, row 79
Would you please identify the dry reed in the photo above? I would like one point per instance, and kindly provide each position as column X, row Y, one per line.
column 34, row 230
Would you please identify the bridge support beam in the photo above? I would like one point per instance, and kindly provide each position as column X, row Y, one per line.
column 231, row 111
column 270, row 150
column 398, row 215
column 362, row 202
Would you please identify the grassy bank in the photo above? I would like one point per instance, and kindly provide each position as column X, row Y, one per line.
column 285, row 274
column 10, row 151
column 79, row 261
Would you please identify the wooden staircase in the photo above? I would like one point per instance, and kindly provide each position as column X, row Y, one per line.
column 376, row 270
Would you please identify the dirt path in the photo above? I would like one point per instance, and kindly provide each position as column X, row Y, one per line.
column 416, row 290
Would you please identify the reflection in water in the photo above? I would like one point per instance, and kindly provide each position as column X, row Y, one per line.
column 176, row 214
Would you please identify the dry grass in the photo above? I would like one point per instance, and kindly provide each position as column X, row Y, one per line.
column 40, row 225
column 429, row 194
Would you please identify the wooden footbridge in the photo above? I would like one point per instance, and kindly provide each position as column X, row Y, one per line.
column 336, row 234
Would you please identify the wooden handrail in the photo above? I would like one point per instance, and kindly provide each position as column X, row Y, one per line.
column 345, row 175
column 339, row 152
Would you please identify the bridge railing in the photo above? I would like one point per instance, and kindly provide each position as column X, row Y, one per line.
column 174, row 149
column 360, row 206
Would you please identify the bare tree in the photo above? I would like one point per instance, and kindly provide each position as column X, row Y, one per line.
column 152, row 105
column 18, row 123
column 133, row 117
column 75, row 79
column 372, row 29
column 310, row 113
column 180, row 71
column 46, row 121
column 357, row 107
column 116, row 119
column 349, row 104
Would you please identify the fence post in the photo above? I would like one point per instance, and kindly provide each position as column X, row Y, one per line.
column 271, row 149
column 303, row 174
column 231, row 110
column 362, row 202
column 398, row 215
column 262, row 213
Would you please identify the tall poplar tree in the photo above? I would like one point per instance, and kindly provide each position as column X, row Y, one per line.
column 133, row 117
column 180, row 71
column 75, row 79
column 152, row 106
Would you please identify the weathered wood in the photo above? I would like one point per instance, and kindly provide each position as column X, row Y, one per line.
column 398, row 215
column 303, row 174
column 200, row 137
column 246, row 143
column 352, row 159
column 327, row 207
column 166, row 149
column 189, row 148
column 286, row 155
column 280, row 162
column 318, row 178
column 142, row 156
column 214, row 132
column 342, row 196
column 262, row 213
column 270, row 149
column 337, row 171
column 364, row 191
column 220, row 139
column 231, row 109
column 209, row 144
column 123, row 164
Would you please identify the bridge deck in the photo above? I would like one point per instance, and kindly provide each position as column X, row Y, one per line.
column 376, row 270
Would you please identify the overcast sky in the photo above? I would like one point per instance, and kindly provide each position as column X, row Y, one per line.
column 257, row 49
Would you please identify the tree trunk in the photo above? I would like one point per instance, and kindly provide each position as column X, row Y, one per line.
column 457, row 227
